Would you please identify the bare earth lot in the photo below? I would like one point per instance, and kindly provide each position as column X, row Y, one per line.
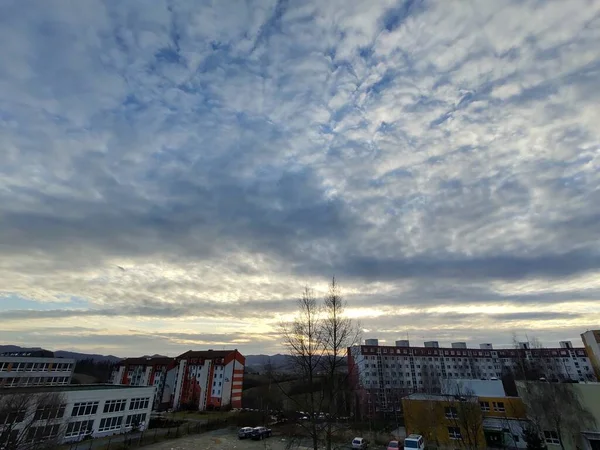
column 220, row 440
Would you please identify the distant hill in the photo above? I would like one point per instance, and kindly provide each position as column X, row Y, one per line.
column 64, row 354
column 259, row 361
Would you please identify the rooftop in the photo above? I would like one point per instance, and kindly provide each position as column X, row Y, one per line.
column 206, row 354
column 437, row 397
column 480, row 388
column 66, row 388
column 147, row 360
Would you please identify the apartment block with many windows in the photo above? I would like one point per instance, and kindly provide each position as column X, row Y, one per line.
column 382, row 375
column 208, row 379
column 148, row 371
column 34, row 368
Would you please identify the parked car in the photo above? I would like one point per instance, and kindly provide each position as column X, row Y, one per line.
column 259, row 433
column 245, row 432
column 359, row 443
column 414, row 441
column 393, row 445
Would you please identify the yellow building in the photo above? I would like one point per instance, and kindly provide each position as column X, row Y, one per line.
column 472, row 422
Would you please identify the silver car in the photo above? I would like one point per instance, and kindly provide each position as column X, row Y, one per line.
column 245, row 432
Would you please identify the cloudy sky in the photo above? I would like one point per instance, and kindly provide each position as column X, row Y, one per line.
column 171, row 177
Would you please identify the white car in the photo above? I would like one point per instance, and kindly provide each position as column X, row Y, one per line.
column 359, row 443
column 414, row 441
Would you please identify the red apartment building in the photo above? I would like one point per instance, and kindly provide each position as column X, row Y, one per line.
column 196, row 379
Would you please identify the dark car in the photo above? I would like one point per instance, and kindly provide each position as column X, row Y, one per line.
column 259, row 433
column 245, row 432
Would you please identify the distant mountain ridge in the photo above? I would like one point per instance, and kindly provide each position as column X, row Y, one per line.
column 64, row 354
column 256, row 361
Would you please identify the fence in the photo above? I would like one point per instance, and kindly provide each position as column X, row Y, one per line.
column 147, row 437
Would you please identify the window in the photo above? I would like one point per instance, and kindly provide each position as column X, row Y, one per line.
column 84, row 409
column 79, row 428
column 454, row 433
column 139, row 403
column 499, row 406
column 485, row 406
column 114, row 405
column 133, row 420
column 10, row 416
column 551, row 437
column 110, row 423
column 451, row 412
column 49, row 412
column 43, row 432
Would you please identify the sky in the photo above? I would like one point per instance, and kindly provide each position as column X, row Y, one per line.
column 172, row 176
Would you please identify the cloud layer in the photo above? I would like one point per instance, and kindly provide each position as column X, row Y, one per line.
column 172, row 176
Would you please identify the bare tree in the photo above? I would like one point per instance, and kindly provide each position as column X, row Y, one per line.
column 317, row 341
column 555, row 408
column 339, row 332
column 31, row 421
column 464, row 413
column 305, row 344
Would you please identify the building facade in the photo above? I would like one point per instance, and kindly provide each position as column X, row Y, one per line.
column 68, row 413
column 34, row 368
column 466, row 420
column 382, row 375
column 148, row 371
column 581, row 434
column 591, row 340
column 201, row 380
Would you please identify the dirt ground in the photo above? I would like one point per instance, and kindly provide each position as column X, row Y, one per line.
column 221, row 440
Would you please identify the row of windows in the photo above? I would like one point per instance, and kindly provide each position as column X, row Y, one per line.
column 84, row 409
column 33, row 381
column 12, row 416
column 79, row 428
column 139, row 403
column 512, row 361
column 110, row 423
column 34, row 367
column 114, row 405
column 46, row 412
column 133, row 420
column 110, row 406
column 42, row 433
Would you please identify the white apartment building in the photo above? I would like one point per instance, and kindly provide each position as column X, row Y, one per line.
column 34, row 368
column 76, row 411
column 383, row 374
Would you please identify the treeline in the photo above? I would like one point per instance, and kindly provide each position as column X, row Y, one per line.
column 100, row 370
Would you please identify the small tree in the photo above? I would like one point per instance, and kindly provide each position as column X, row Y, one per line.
column 31, row 421
column 532, row 438
column 464, row 412
column 556, row 407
